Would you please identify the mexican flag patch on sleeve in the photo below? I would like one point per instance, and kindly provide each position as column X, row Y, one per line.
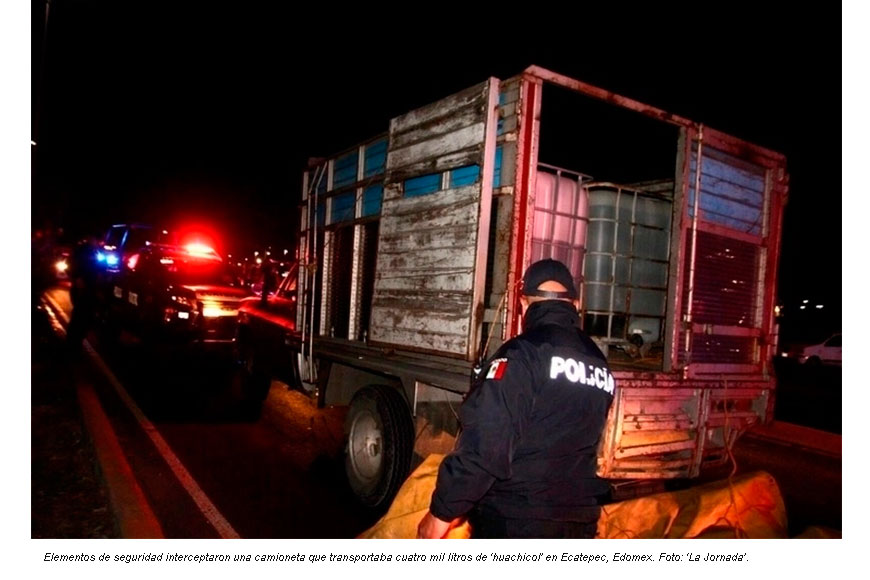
column 497, row 369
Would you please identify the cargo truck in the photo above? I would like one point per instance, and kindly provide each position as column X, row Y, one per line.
column 413, row 244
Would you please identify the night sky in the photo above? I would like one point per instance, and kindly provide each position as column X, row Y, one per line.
column 203, row 111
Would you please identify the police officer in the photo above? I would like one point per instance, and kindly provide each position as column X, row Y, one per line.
column 525, row 461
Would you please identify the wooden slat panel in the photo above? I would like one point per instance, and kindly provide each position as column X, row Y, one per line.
column 688, row 445
column 631, row 465
column 437, row 146
column 449, row 280
column 421, row 329
column 433, row 238
column 663, row 406
column 430, row 341
column 404, row 325
column 641, row 438
column 422, row 260
column 442, row 109
column 452, row 160
column 424, row 302
column 443, row 127
column 509, row 92
column 644, row 423
column 444, row 201
column 428, row 245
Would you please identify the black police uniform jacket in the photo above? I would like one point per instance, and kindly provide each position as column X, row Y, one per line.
column 531, row 427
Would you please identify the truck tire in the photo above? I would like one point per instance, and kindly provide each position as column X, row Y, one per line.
column 380, row 443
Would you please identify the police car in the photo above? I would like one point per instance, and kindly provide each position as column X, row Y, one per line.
column 181, row 292
column 123, row 240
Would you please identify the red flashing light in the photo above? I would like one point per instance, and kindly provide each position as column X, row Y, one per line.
column 199, row 238
column 132, row 261
column 198, row 249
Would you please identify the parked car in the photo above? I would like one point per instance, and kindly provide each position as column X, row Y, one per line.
column 828, row 352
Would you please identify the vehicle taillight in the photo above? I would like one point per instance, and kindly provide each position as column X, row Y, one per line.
column 211, row 309
column 185, row 301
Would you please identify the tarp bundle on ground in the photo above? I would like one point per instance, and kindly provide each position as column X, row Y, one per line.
column 750, row 506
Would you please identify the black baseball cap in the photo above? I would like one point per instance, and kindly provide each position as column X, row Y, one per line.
column 545, row 271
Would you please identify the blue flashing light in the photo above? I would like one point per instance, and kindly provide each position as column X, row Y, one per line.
column 111, row 260
column 101, row 257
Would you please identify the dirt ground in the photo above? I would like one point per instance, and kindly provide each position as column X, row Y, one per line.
column 68, row 499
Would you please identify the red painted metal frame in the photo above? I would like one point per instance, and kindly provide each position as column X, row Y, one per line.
column 769, row 243
column 774, row 162
column 524, row 196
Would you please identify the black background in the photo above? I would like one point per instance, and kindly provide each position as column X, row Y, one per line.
column 208, row 111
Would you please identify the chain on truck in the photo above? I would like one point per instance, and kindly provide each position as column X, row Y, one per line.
column 413, row 244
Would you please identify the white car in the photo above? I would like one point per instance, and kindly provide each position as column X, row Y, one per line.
column 829, row 352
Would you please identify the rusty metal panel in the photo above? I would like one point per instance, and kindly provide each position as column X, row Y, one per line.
column 655, row 432
column 432, row 247
column 652, row 432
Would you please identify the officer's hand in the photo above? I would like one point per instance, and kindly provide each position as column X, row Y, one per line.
column 432, row 528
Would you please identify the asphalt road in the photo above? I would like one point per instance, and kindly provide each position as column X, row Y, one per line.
column 276, row 477
column 280, row 476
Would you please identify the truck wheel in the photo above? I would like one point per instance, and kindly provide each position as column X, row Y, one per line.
column 380, row 442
